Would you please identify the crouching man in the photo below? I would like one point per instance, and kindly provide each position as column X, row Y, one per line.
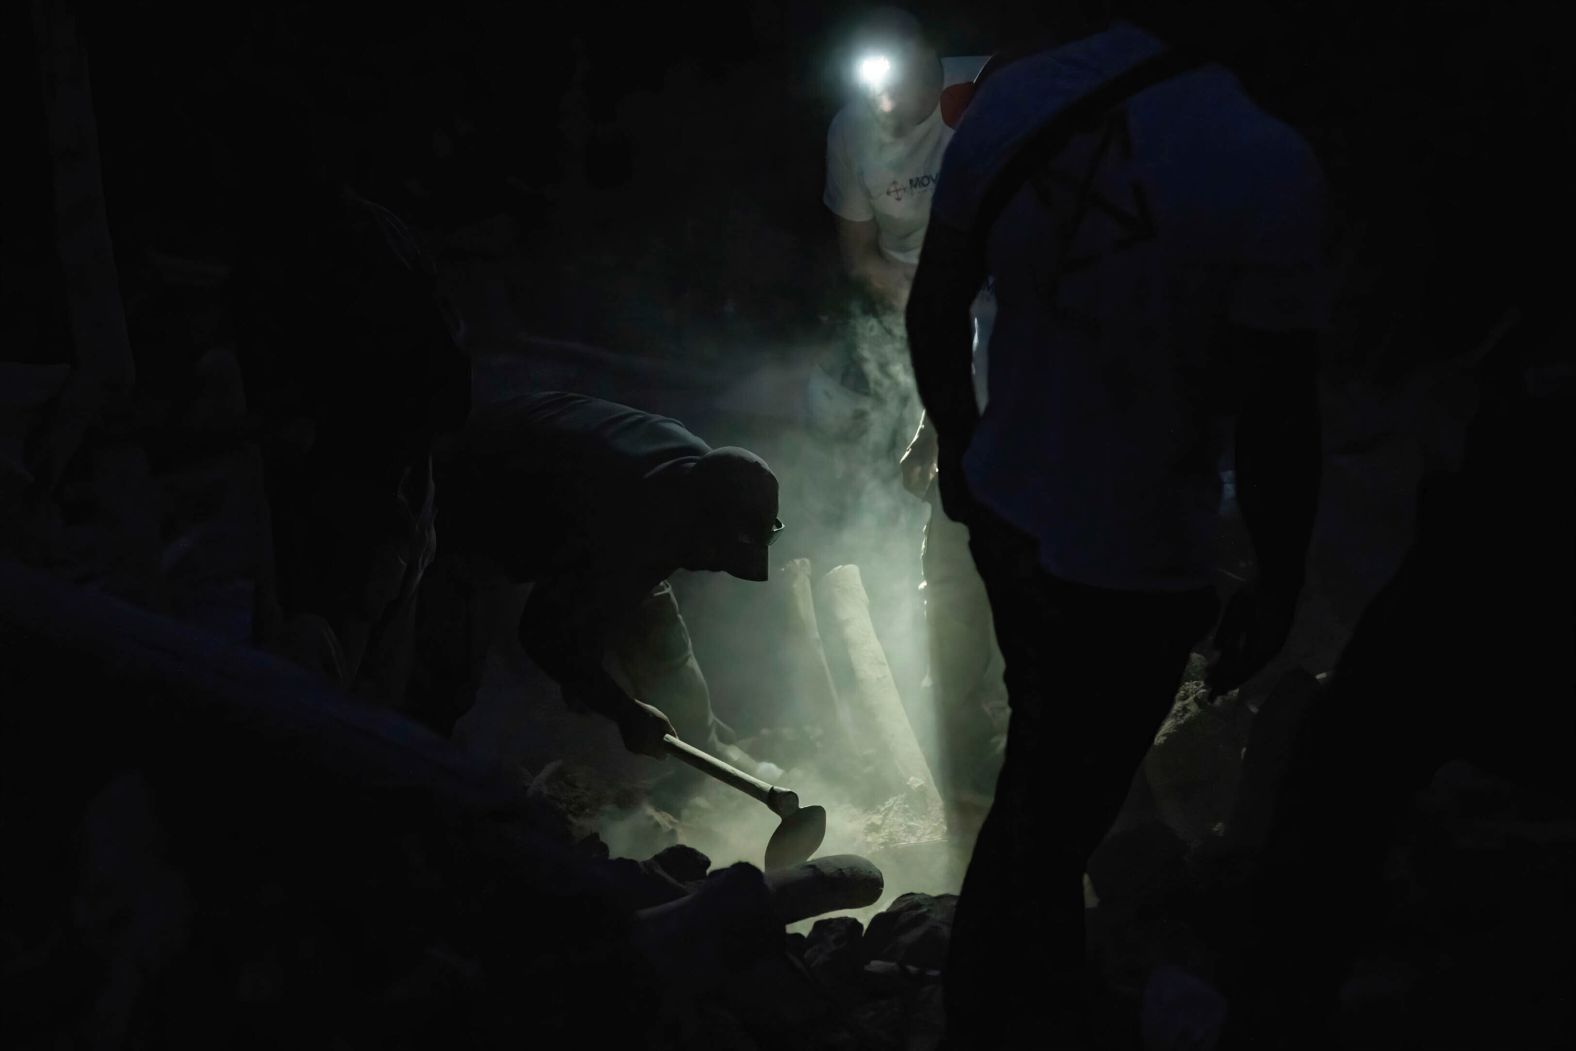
column 595, row 504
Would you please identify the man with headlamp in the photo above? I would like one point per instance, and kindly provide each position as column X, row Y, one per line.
column 883, row 160
column 884, row 149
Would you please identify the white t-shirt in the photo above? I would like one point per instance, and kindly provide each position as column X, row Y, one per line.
column 1100, row 439
column 871, row 175
column 891, row 178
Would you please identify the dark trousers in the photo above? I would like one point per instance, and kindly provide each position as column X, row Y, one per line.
column 1091, row 674
column 962, row 647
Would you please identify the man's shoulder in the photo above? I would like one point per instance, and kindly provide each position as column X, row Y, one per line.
column 961, row 69
column 957, row 89
column 849, row 123
column 1233, row 133
column 1028, row 91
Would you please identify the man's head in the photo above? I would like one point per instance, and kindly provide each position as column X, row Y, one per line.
column 898, row 71
column 731, row 502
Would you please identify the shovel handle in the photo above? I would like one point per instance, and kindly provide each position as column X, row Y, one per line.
column 780, row 800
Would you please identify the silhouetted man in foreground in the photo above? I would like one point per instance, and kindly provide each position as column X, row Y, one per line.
column 1157, row 243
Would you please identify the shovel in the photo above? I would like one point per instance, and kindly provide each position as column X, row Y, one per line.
column 802, row 828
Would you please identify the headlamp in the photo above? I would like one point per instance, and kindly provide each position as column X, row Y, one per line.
column 875, row 72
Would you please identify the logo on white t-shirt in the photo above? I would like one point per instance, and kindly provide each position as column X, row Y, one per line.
column 915, row 184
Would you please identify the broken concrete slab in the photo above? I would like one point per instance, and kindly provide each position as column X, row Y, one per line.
column 829, row 884
column 864, row 681
column 810, row 678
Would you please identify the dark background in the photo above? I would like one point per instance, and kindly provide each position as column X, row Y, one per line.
column 659, row 165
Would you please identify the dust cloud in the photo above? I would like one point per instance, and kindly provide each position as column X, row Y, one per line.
column 837, row 459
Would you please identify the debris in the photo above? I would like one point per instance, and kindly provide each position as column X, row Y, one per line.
column 832, row 949
column 703, row 940
column 1195, row 760
column 914, row 932
column 574, row 793
column 865, row 683
column 810, row 679
column 839, row 881
column 901, row 821
column 685, row 864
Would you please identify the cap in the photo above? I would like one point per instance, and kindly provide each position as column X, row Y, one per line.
column 736, row 495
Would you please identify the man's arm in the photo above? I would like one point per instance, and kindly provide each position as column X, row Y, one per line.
column 1278, row 303
column 563, row 628
column 941, row 342
column 1278, row 466
column 860, row 246
column 858, row 235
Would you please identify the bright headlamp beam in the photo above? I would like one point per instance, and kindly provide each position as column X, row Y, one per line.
column 874, row 71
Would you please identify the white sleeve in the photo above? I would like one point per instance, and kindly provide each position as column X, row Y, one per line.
column 844, row 195
column 1283, row 280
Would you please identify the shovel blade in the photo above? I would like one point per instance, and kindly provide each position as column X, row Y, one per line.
column 798, row 837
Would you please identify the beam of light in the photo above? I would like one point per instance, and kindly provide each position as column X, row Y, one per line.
column 874, row 71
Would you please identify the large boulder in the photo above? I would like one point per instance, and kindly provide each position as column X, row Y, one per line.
column 833, row 951
column 913, row 932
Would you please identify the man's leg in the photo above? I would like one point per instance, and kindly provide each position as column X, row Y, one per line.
column 962, row 645
column 1090, row 677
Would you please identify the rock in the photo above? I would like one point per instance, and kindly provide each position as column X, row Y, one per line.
column 575, row 793
column 707, row 939
column 781, row 1005
column 927, row 1019
column 832, row 949
column 914, row 931
column 1194, row 763
column 882, row 1020
column 683, row 863
column 828, row 884
column 593, row 847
